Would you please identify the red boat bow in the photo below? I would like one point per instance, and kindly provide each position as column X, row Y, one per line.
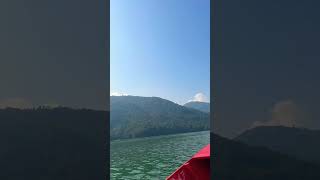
column 197, row 168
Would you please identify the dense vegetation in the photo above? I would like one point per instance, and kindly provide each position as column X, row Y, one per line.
column 201, row 106
column 134, row 116
column 300, row 143
column 233, row 160
column 51, row 144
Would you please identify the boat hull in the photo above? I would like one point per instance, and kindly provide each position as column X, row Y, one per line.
column 197, row 168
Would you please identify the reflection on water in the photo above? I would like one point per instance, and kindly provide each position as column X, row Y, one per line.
column 154, row 157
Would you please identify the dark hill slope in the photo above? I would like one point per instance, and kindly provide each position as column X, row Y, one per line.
column 301, row 143
column 233, row 160
column 59, row 143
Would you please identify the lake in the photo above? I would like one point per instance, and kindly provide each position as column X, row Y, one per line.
column 154, row 157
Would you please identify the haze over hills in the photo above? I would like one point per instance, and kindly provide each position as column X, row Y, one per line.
column 234, row 160
column 301, row 143
column 201, row 106
column 136, row 116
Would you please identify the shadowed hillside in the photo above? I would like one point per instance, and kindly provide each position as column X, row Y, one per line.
column 237, row 161
column 301, row 143
column 58, row 143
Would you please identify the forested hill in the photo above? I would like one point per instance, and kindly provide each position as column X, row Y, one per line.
column 135, row 116
column 53, row 143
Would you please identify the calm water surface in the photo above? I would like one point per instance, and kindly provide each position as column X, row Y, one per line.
column 154, row 157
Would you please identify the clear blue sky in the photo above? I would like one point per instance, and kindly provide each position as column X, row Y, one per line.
column 160, row 48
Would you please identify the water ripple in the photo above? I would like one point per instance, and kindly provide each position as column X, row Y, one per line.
column 154, row 157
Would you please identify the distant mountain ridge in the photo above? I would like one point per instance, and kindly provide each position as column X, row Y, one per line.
column 301, row 143
column 201, row 106
column 136, row 116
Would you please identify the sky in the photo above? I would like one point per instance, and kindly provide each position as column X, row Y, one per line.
column 53, row 53
column 266, row 64
column 160, row 48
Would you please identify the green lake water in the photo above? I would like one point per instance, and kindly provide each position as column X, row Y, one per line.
column 154, row 157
